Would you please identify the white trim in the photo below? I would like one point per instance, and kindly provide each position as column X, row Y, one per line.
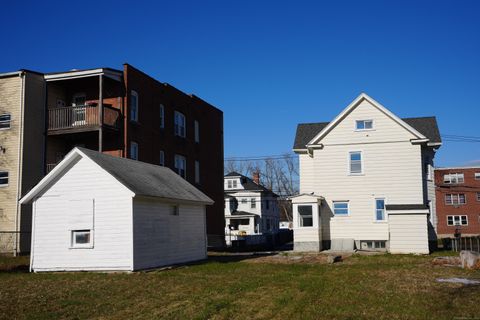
column 412, row 211
column 353, row 105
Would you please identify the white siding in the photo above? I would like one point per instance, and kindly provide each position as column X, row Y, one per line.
column 392, row 169
column 112, row 221
column 161, row 238
column 408, row 233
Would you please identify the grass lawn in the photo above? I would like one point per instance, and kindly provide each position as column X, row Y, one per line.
column 361, row 287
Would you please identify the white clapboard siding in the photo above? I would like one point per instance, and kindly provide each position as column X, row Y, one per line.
column 112, row 222
column 408, row 233
column 161, row 238
column 392, row 168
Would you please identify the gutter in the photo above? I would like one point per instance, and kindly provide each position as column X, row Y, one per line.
column 20, row 158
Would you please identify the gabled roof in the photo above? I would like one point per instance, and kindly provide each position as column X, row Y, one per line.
column 247, row 183
column 141, row 178
column 422, row 127
column 233, row 174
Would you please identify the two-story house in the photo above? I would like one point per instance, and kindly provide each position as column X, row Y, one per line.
column 366, row 181
column 458, row 201
column 251, row 210
column 124, row 113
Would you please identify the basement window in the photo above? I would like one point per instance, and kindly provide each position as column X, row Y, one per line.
column 82, row 239
column 3, row 178
column 5, row 120
column 377, row 245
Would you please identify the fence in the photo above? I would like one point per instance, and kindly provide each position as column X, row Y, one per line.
column 465, row 243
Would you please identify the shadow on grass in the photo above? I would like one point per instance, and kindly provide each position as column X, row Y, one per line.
column 15, row 269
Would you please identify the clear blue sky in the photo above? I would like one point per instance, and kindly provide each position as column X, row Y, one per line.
column 270, row 65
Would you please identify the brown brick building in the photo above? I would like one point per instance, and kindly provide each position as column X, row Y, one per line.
column 127, row 113
column 457, row 201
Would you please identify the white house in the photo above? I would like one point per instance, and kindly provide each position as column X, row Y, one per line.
column 98, row 212
column 365, row 181
column 250, row 209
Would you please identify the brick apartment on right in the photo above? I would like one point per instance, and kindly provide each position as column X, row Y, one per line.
column 457, row 201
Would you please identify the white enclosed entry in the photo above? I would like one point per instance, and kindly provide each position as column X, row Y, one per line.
column 98, row 212
column 408, row 229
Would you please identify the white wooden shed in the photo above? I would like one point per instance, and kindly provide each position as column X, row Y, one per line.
column 98, row 212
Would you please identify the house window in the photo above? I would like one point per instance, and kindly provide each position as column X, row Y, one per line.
column 305, row 216
column 133, row 150
column 197, row 131
column 197, row 172
column 162, row 116
column 455, row 199
column 453, row 178
column 179, row 124
column 181, row 165
column 162, row 158
column 457, row 220
column 340, row 208
column 229, row 184
column 234, row 184
column 5, row 120
column 133, row 106
column 477, row 174
column 244, row 201
column 267, row 204
column 81, row 238
column 253, row 203
column 3, row 178
column 364, row 125
column 380, row 209
column 356, row 162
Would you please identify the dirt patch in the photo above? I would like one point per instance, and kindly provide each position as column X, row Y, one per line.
column 307, row 258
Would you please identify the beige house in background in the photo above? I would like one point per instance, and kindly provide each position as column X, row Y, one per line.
column 22, row 101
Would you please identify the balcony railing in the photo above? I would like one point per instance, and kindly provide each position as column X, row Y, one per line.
column 77, row 117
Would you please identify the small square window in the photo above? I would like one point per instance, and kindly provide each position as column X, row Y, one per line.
column 81, row 238
column 340, row 208
column 364, row 125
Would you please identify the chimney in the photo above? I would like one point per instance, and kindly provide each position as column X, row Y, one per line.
column 256, row 177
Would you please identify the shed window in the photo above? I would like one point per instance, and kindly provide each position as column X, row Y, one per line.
column 305, row 216
column 356, row 162
column 81, row 238
column 5, row 120
column 364, row 125
column 179, row 124
column 3, row 178
column 340, row 208
column 133, row 106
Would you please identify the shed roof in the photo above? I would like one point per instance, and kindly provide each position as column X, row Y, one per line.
column 143, row 179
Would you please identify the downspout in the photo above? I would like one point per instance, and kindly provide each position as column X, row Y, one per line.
column 20, row 158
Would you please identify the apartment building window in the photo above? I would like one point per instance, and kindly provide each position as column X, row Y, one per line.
column 356, row 166
column 133, row 105
column 181, row 166
column 305, row 216
column 179, row 124
column 162, row 116
column 380, row 209
column 457, row 220
column 5, row 120
column 478, row 196
column 197, row 131
column 341, row 208
column 3, row 178
column 162, row 158
column 253, row 203
column 455, row 198
column 197, row 172
column 453, row 178
column 133, row 150
column 364, row 125
column 477, row 175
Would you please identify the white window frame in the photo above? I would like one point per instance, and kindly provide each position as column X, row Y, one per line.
column 350, row 153
column 7, row 123
column 341, row 214
column 134, row 108
column 133, row 150
column 457, row 195
column 179, row 159
column 162, row 158
column 459, row 219
column 162, row 116
column 197, row 131
column 234, row 184
column 447, row 178
column 75, row 245
column 4, row 180
column 180, row 124
column 384, row 209
column 197, row 172
column 364, row 128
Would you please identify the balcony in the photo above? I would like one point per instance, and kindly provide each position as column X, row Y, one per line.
column 83, row 118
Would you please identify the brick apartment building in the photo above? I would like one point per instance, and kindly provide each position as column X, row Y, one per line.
column 125, row 113
column 457, row 201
